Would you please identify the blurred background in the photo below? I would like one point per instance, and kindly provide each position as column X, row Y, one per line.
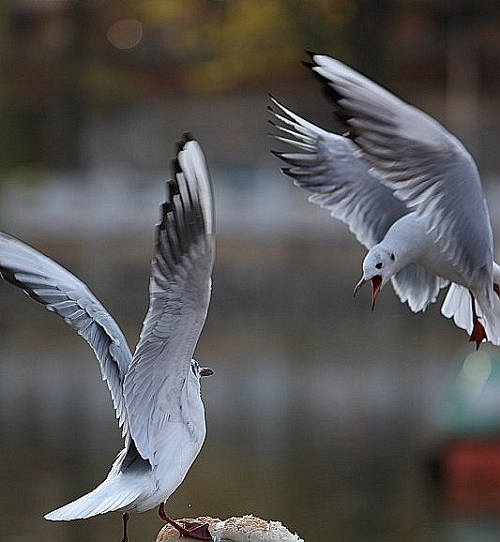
column 343, row 424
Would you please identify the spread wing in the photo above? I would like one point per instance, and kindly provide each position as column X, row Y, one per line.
column 332, row 168
column 180, row 287
column 61, row 292
column 417, row 286
column 425, row 166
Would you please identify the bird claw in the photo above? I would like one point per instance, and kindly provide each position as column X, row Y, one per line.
column 478, row 334
column 194, row 529
column 189, row 529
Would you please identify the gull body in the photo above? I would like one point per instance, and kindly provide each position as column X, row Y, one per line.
column 407, row 189
column 155, row 391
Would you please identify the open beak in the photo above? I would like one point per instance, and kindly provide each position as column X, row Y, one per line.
column 376, row 287
column 358, row 286
column 205, row 371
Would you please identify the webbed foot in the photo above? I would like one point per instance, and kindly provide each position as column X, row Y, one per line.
column 478, row 334
column 190, row 529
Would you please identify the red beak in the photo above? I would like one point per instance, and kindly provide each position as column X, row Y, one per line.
column 358, row 286
column 376, row 287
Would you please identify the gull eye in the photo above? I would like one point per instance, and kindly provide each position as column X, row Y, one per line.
column 379, row 265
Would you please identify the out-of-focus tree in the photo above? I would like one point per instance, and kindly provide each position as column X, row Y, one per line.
column 62, row 61
column 220, row 44
column 243, row 41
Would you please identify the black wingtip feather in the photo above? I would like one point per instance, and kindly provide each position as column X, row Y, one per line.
column 185, row 138
column 287, row 171
column 181, row 216
column 176, row 167
column 331, row 94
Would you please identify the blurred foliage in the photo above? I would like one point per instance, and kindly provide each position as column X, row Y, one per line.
column 224, row 43
column 62, row 61
column 235, row 41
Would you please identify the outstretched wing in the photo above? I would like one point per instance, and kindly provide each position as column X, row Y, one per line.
column 417, row 286
column 425, row 166
column 332, row 168
column 180, row 287
column 61, row 292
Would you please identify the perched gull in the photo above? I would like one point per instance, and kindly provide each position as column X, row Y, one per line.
column 407, row 189
column 156, row 391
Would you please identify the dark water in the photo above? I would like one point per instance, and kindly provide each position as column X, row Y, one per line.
column 320, row 414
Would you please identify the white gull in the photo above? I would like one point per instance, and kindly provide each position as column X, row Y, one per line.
column 156, row 391
column 407, row 189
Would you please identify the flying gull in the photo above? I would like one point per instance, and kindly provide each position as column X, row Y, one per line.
column 408, row 190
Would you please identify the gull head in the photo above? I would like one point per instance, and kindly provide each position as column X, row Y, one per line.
column 379, row 266
column 200, row 371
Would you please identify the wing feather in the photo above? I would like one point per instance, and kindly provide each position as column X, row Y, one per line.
column 425, row 166
column 180, row 287
column 61, row 292
column 331, row 167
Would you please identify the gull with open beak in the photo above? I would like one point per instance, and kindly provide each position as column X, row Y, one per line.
column 407, row 189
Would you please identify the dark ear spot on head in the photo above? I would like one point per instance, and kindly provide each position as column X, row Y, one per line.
column 392, row 256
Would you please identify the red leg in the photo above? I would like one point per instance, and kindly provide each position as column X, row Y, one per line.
column 496, row 288
column 126, row 517
column 192, row 529
column 478, row 334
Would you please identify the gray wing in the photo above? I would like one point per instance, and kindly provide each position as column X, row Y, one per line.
column 180, row 287
column 427, row 167
column 332, row 168
column 61, row 292
column 417, row 286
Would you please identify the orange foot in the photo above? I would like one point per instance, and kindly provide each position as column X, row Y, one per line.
column 197, row 530
column 190, row 529
column 478, row 334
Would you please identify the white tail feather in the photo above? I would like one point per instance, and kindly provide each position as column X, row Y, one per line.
column 457, row 305
column 116, row 493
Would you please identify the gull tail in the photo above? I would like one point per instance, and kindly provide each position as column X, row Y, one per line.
column 113, row 494
column 457, row 305
column 128, row 481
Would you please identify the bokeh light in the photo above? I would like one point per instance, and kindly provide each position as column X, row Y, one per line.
column 125, row 33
